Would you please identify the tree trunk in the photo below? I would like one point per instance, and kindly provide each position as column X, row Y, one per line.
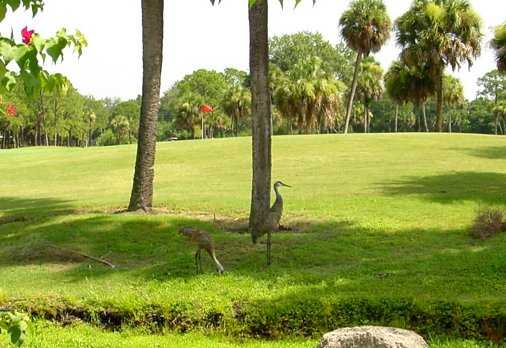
column 261, row 116
column 366, row 118
column 396, row 117
column 203, row 128
column 424, row 113
column 439, row 110
column 496, row 122
column 152, row 39
column 352, row 93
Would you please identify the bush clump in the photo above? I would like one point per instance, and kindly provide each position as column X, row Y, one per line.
column 487, row 224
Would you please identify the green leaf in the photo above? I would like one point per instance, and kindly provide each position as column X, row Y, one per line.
column 9, row 81
column 14, row 4
column 15, row 333
column 6, row 50
column 20, row 55
column 3, row 11
column 55, row 48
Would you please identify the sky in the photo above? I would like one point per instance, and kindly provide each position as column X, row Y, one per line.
column 198, row 35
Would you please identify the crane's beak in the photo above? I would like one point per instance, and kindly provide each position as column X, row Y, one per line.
column 285, row 185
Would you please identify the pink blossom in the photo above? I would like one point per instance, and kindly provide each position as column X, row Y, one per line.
column 27, row 35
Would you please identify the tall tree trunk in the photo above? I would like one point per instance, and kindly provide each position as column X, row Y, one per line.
column 203, row 128
column 496, row 122
column 352, row 93
column 152, row 39
column 439, row 109
column 365, row 118
column 261, row 116
column 396, row 117
column 424, row 113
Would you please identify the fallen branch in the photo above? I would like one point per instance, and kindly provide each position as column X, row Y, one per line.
column 96, row 259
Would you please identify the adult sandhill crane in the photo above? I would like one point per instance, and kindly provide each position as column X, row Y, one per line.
column 202, row 240
column 272, row 221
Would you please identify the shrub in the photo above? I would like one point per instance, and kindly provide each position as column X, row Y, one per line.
column 487, row 224
column 107, row 138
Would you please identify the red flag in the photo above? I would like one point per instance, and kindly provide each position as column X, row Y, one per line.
column 206, row 108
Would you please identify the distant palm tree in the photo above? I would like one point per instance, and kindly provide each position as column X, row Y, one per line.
column 453, row 95
column 500, row 112
column 188, row 113
column 365, row 27
column 408, row 84
column 308, row 95
column 435, row 34
column 121, row 128
column 499, row 43
column 152, row 38
column 370, row 86
column 237, row 105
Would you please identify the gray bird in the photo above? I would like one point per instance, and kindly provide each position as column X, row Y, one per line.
column 272, row 220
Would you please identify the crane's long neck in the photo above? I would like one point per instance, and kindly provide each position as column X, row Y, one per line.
column 279, row 199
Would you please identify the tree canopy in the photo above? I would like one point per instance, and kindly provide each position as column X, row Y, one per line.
column 499, row 43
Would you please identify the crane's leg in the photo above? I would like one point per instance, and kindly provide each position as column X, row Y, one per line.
column 269, row 248
column 198, row 263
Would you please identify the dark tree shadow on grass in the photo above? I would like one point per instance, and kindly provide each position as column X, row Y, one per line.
column 31, row 208
column 486, row 188
column 490, row 152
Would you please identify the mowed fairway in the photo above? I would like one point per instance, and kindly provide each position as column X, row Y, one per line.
column 377, row 216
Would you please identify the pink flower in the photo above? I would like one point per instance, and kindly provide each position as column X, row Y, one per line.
column 11, row 110
column 27, row 35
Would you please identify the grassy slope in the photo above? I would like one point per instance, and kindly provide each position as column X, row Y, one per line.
column 384, row 216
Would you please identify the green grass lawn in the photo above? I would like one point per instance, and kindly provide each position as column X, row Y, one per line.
column 376, row 216
column 46, row 335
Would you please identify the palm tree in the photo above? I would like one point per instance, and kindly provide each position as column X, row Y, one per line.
column 434, row 34
column 188, row 112
column 499, row 43
column 121, row 128
column 365, row 27
column 369, row 86
column 307, row 95
column 261, row 115
column 237, row 105
column 258, row 14
column 152, row 38
column 453, row 95
column 500, row 112
column 395, row 85
column 408, row 84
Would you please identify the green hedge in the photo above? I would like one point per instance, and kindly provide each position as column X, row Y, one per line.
column 287, row 318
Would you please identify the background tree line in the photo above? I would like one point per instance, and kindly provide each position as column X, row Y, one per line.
column 310, row 81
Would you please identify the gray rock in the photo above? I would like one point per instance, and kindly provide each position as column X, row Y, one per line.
column 372, row 337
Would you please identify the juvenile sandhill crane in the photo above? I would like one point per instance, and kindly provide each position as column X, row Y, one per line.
column 272, row 221
column 202, row 240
